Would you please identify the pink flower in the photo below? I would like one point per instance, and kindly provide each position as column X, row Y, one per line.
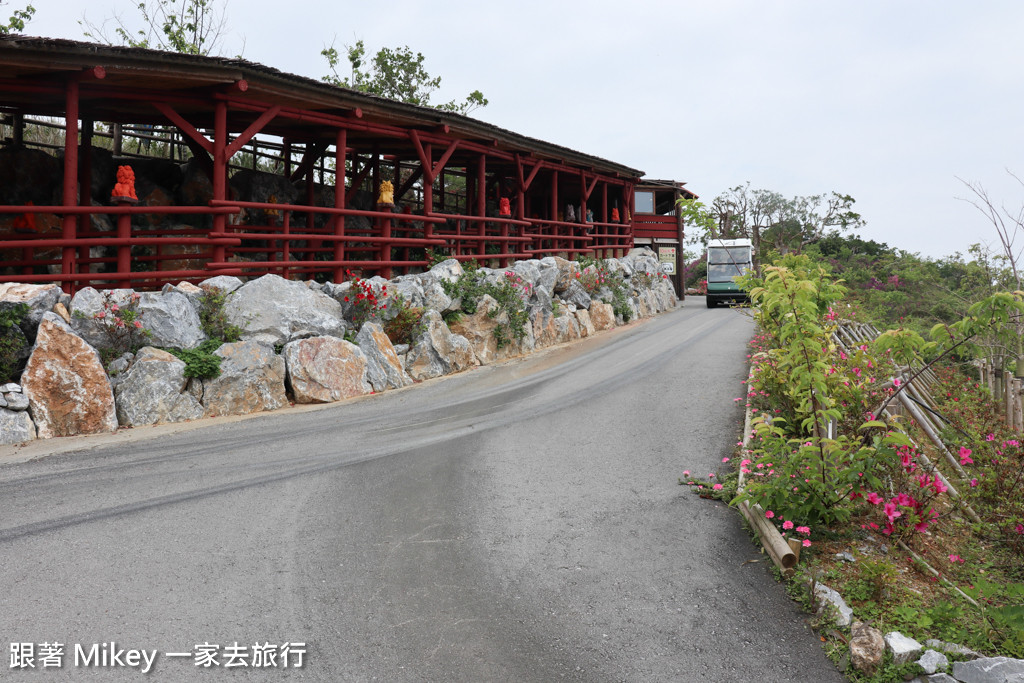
column 725, row 459
column 138, row 324
column 1020, row 529
column 686, row 473
column 805, row 530
column 891, row 512
column 874, row 498
column 939, row 486
column 787, row 524
column 807, row 543
column 769, row 514
column 955, row 558
column 711, row 476
column 974, row 482
column 965, row 456
column 990, row 437
column 717, row 487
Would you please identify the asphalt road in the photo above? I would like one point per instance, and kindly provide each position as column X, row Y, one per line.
column 520, row 522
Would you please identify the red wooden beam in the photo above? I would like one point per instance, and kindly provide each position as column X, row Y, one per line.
column 255, row 127
column 184, row 126
column 431, row 170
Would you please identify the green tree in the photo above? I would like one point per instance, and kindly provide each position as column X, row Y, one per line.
column 771, row 221
column 395, row 73
column 1009, row 227
column 194, row 27
column 16, row 22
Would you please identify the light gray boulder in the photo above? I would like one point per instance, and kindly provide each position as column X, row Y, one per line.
column 987, row 670
column 86, row 304
column 449, row 270
column 16, row 427
column 384, row 369
column 410, row 288
column 153, row 390
column 251, row 380
column 575, row 294
column 931, row 661
column 437, row 351
column 903, row 649
column 15, row 400
column 171, row 319
column 40, row 299
column 273, row 310
column 829, row 598
column 223, row 283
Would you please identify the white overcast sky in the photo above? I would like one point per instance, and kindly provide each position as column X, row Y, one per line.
column 889, row 101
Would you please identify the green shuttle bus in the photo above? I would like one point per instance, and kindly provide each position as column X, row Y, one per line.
column 727, row 260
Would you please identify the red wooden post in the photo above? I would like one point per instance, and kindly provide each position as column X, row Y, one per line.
column 69, row 228
column 85, row 183
column 340, row 153
column 481, row 202
column 124, row 252
column 220, row 173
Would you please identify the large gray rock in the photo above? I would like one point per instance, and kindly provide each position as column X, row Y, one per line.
column 273, row 310
column 251, row 380
column 987, row 670
column 87, row 304
column 67, row 387
column 171, row 319
column 40, row 299
column 903, row 649
column 325, row 369
column 15, row 399
column 16, row 426
column 931, row 661
column 586, row 325
column 575, row 294
column 437, row 351
column 566, row 272
column 867, row 648
column 479, row 328
column 222, row 283
column 828, row 598
column 384, row 369
column 952, row 648
column 449, row 270
column 152, row 391
column 410, row 288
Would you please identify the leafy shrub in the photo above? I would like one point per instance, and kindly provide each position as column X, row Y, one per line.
column 214, row 320
column 610, row 287
column 12, row 341
column 407, row 324
column 511, row 295
column 122, row 326
column 365, row 303
column 200, row 362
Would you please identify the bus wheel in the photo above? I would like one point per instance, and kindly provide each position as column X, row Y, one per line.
column 712, row 303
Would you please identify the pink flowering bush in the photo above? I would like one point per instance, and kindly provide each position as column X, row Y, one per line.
column 121, row 322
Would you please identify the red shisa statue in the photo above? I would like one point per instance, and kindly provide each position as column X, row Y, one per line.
column 124, row 190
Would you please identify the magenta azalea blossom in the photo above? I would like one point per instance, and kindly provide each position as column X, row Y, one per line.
column 874, row 498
